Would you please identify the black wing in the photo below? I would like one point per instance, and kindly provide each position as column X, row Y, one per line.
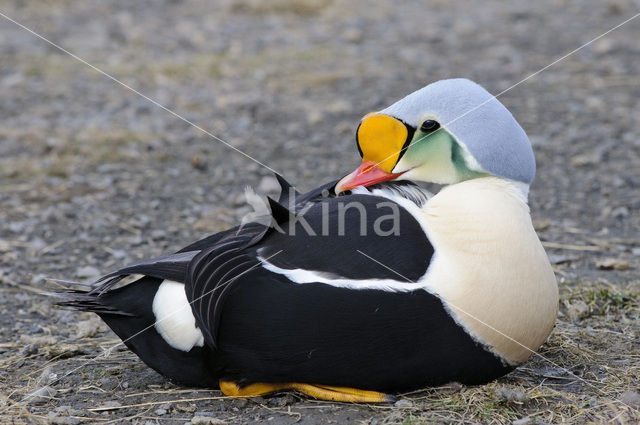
column 336, row 237
column 343, row 237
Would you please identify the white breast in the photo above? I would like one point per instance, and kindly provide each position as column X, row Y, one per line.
column 490, row 267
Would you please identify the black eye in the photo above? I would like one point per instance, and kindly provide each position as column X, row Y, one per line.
column 429, row 126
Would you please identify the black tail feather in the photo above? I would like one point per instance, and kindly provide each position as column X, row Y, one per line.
column 128, row 311
column 85, row 301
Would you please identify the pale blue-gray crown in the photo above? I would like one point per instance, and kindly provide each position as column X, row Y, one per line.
column 477, row 120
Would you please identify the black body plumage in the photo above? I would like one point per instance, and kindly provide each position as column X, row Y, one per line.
column 260, row 326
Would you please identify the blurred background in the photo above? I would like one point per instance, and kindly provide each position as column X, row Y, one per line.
column 93, row 176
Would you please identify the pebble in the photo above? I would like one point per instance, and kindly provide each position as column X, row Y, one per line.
column 206, row 420
column 285, row 400
column 208, row 414
column 158, row 234
column 511, row 395
column 35, row 330
column 403, row 403
column 577, row 310
column 620, row 212
column 86, row 272
column 118, row 254
column 560, row 258
column 111, row 404
column 29, row 350
column 41, row 395
column 239, row 402
column 631, row 398
column 108, row 384
column 612, row 264
column 46, row 377
column 160, row 412
column 352, row 35
column 523, row 421
column 88, row 328
column 61, row 420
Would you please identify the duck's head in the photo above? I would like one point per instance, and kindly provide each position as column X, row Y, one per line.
column 447, row 132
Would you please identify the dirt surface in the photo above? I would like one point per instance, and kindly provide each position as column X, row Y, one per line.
column 92, row 176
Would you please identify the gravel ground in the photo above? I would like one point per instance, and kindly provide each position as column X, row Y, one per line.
column 93, row 176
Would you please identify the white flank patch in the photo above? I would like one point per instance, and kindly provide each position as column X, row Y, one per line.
column 174, row 320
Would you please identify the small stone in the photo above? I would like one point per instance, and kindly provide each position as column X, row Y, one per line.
column 87, row 272
column 119, row 254
column 158, row 234
column 595, row 104
column 403, row 403
column 39, row 340
column 198, row 162
column 523, row 421
column 37, row 244
column 63, row 420
column 352, row 35
column 207, row 414
column 64, row 351
column 41, row 395
column 160, row 412
column 108, row 384
column 631, row 398
column 339, row 107
column 314, row 117
column 88, row 328
column 110, row 404
column 620, row 212
column 29, row 350
column 604, row 45
column 612, row 264
column 577, row 310
column 186, row 407
column 46, row 377
column 285, row 400
column 541, row 225
column 206, row 420
column 239, row 403
column 582, row 160
column 560, row 258
column 511, row 395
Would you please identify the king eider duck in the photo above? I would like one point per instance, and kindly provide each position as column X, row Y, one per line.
column 366, row 286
